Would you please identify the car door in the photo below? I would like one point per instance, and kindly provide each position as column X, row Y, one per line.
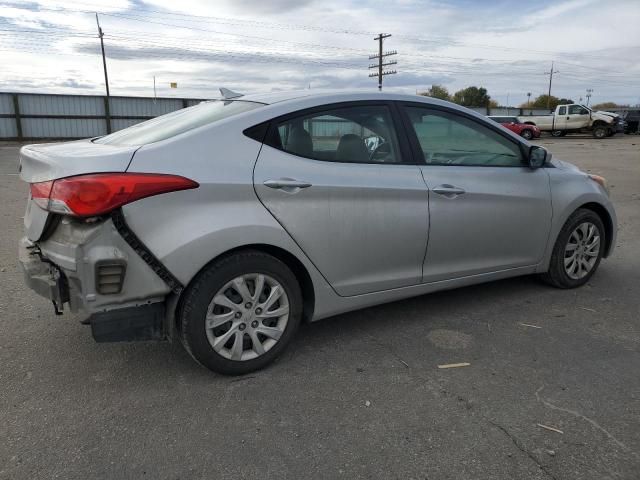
column 341, row 182
column 577, row 117
column 488, row 212
column 561, row 118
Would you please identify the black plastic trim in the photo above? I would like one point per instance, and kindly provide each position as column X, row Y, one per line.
column 258, row 132
column 117, row 217
column 144, row 322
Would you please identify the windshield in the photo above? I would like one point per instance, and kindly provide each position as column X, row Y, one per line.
column 175, row 123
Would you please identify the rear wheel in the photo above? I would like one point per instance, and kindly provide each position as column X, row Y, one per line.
column 240, row 313
column 527, row 134
column 577, row 251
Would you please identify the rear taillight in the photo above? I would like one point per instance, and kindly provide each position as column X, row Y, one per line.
column 100, row 193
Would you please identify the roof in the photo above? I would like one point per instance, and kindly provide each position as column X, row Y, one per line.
column 334, row 95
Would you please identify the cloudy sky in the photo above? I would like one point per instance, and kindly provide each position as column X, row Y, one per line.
column 262, row 45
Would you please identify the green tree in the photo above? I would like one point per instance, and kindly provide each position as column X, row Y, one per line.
column 541, row 102
column 605, row 105
column 437, row 91
column 472, row 97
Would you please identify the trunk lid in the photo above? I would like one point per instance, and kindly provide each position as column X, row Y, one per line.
column 50, row 161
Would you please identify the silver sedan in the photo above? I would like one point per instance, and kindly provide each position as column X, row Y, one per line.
column 226, row 224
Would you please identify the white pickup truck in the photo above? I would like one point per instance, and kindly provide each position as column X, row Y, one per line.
column 575, row 118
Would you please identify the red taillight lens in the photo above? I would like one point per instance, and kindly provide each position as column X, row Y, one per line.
column 100, row 193
column 40, row 193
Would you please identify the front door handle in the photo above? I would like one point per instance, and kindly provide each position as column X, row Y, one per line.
column 288, row 185
column 449, row 191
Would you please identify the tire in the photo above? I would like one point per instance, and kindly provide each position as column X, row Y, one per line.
column 600, row 131
column 527, row 134
column 573, row 233
column 247, row 330
column 557, row 133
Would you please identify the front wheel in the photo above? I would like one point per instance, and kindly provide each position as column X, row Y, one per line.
column 577, row 251
column 557, row 133
column 240, row 313
column 527, row 134
column 600, row 131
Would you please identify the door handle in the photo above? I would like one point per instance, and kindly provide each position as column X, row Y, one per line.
column 449, row 191
column 289, row 185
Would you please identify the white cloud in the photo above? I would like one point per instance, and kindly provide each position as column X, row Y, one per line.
column 504, row 46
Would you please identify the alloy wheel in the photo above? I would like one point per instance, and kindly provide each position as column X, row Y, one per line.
column 247, row 317
column 582, row 250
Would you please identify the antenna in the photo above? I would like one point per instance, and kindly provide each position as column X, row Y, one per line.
column 229, row 94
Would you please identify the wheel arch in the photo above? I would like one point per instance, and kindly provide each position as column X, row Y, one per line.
column 604, row 215
column 290, row 260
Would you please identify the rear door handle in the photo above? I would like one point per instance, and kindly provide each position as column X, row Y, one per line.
column 449, row 190
column 289, row 185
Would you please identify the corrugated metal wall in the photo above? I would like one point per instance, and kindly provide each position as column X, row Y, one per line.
column 77, row 116
column 82, row 116
column 7, row 124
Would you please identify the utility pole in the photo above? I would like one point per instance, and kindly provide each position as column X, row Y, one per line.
column 588, row 95
column 528, row 98
column 104, row 60
column 550, row 73
column 381, row 56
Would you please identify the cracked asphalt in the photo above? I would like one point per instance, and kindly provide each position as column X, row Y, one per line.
column 356, row 396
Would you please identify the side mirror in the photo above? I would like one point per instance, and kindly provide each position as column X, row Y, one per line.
column 537, row 156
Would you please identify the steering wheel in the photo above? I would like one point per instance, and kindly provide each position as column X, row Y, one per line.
column 380, row 152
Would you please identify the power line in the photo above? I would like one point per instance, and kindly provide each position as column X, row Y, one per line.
column 444, row 40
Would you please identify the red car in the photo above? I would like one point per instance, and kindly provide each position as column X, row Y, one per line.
column 523, row 129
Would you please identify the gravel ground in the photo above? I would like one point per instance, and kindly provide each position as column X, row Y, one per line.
column 356, row 396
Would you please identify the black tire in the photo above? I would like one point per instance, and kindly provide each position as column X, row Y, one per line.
column 199, row 294
column 600, row 131
column 527, row 134
column 557, row 133
column 557, row 276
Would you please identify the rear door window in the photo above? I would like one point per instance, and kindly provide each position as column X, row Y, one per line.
column 354, row 134
column 175, row 123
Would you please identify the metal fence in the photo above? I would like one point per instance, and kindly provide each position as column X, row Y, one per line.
column 34, row 116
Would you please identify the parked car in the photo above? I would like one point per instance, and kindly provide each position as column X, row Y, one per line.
column 574, row 118
column 525, row 130
column 632, row 121
column 228, row 223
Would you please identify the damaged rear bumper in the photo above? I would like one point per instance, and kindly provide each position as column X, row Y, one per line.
column 90, row 268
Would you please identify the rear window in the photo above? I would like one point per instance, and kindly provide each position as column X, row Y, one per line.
column 175, row 123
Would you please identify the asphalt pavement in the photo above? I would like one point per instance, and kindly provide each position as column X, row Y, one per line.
column 552, row 390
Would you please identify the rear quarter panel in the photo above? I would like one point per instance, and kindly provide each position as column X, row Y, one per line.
column 188, row 229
